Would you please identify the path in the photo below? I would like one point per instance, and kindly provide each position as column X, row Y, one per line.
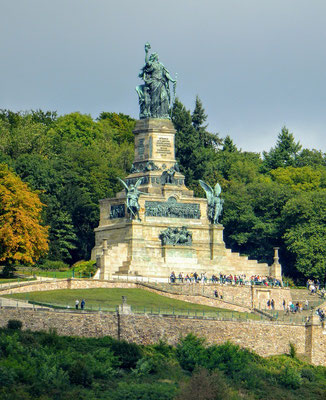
column 4, row 302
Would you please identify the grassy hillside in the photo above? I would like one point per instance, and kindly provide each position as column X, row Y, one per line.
column 109, row 299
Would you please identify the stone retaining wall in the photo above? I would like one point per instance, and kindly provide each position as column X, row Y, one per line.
column 266, row 338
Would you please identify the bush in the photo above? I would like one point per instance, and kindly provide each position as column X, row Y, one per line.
column 80, row 374
column 144, row 391
column 206, row 386
column 85, row 268
column 14, row 324
column 290, row 378
column 7, row 376
column 293, row 351
column 191, row 352
column 8, row 271
column 54, row 265
column 127, row 353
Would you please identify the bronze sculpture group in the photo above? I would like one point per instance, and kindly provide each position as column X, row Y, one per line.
column 154, row 95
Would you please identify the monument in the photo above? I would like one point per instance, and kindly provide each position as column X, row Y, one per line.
column 155, row 225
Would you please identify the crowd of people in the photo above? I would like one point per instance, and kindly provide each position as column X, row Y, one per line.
column 221, row 278
column 314, row 286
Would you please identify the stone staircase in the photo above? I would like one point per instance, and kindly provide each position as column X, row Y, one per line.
column 116, row 258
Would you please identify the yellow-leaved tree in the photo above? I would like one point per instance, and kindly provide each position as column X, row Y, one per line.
column 23, row 238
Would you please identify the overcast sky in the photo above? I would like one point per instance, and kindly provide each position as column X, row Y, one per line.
column 256, row 64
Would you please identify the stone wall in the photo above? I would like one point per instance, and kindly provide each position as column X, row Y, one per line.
column 266, row 338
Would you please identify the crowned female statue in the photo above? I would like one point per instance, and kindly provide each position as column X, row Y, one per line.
column 154, row 95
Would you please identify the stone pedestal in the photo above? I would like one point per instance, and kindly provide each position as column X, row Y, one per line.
column 276, row 267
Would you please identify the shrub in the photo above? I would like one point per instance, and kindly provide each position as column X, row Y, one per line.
column 80, row 374
column 128, row 353
column 290, row 378
column 206, row 386
column 7, row 376
column 85, row 268
column 144, row 391
column 14, row 324
column 191, row 352
column 54, row 265
column 293, row 350
column 308, row 374
column 230, row 358
column 8, row 271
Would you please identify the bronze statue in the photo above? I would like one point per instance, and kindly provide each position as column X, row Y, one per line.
column 214, row 202
column 154, row 95
column 133, row 194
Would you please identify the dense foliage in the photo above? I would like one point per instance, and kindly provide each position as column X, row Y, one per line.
column 277, row 200
column 274, row 199
column 73, row 161
column 22, row 236
column 44, row 366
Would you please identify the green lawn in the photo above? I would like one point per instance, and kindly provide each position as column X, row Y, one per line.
column 140, row 300
column 50, row 274
column 10, row 280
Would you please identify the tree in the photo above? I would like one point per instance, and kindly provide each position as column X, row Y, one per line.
column 120, row 125
column 299, row 179
column 77, row 127
column 198, row 117
column 284, row 154
column 23, row 238
column 304, row 221
column 195, row 147
column 252, row 217
column 228, row 145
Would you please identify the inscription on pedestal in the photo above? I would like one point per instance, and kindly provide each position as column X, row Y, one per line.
column 141, row 148
column 163, row 146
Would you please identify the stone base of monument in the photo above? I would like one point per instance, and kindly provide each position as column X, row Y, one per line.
column 136, row 249
column 173, row 233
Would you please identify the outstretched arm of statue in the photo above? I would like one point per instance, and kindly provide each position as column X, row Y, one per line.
column 147, row 47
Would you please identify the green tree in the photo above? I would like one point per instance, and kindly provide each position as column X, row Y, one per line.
column 120, row 126
column 304, row 219
column 252, row 217
column 284, row 154
column 298, row 179
column 311, row 158
column 228, row 145
column 77, row 127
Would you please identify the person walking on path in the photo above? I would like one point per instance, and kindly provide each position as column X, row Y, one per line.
column 82, row 304
column 76, row 304
column 273, row 304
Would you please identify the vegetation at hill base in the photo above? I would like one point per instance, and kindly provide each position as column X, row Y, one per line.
column 45, row 366
column 277, row 198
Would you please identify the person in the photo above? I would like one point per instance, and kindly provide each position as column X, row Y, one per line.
column 216, row 293
column 268, row 304
column 284, row 304
column 77, row 304
column 273, row 304
column 306, row 304
column 82, row 304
